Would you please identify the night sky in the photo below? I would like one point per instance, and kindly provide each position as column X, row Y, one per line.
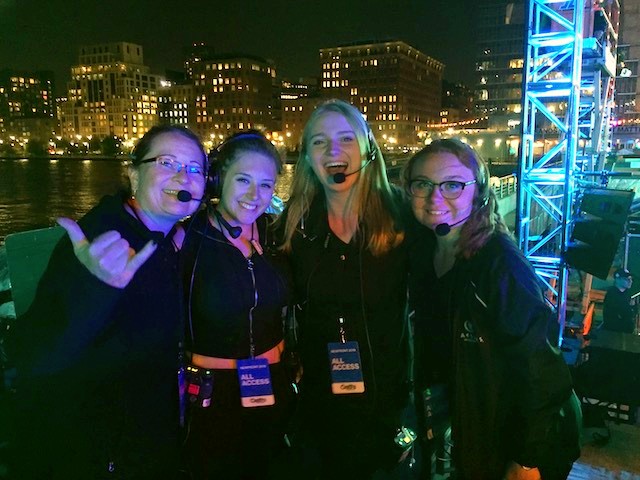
column 46, row 34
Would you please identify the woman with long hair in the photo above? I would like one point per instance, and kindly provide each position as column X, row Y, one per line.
column 481, row 324
column 345, row 238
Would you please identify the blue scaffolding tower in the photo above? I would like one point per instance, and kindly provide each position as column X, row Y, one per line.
column 568, row 86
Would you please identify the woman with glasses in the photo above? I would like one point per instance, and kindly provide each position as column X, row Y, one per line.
column 97, row 352
column 239, row 393
column 481, row 327
column 345, row 238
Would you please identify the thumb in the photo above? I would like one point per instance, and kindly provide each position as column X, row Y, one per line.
column 142, row 256
column 76, row 235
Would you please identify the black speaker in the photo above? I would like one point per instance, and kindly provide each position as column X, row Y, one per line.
column 598, row 229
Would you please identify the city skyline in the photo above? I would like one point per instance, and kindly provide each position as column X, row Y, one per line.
column 46, row 36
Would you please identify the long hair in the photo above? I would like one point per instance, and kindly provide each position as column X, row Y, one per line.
column 373, row 198
column 485, row 219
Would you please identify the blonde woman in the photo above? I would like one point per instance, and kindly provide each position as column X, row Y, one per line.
column 344, row 236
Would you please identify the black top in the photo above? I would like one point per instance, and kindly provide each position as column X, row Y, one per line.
column 333, row 279
column 220, row 289
column 617, row 312
column 507, row 384
column 117, row 348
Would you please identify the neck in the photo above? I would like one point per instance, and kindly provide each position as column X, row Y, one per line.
column 342, row 217
column 341, row 204
column 445, row 255
column 446, row 246
column 152, row 222
column 246, row 229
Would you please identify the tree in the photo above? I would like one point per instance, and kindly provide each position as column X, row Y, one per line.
column 36, row 148
column 8, row 150
column 111, row 145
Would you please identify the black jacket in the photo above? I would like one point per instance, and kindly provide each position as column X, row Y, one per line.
column 333, row 279
column 617, row 312
column 97, row 365
column 489, row 343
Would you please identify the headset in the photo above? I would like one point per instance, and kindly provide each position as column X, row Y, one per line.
column 215, row 172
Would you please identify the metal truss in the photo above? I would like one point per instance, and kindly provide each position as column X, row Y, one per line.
column 568, row 73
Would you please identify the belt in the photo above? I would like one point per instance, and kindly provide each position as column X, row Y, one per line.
column 215, row 363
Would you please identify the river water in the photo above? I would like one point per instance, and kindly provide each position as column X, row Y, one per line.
column 34, row 192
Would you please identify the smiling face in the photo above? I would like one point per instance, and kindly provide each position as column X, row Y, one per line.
column 332, row 147
column 435, row 209
column 156, row 187
column 247, row 187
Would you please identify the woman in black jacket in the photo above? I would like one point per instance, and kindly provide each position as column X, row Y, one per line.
column 346, row 244
column 235, row 297
column 97, row 352
column 481, row 327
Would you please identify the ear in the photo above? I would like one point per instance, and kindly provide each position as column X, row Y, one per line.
column 134, row 178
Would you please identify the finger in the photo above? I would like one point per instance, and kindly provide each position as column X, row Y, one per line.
column 142, row 256
column 76, row 235
column 107, row 240
column 115, row 258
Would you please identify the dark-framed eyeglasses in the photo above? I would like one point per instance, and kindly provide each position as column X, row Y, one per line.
column 450, row 189
column 169, row 163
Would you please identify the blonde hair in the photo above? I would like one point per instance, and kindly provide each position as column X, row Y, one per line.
column 373, row 199
column 485, row 219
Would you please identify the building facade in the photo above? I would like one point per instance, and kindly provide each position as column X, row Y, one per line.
column 234, row 92
column 500, row 41
column 298, row 99
column 626, row 130
column 27, row 105
column 111, row 93
column 457, row 102
column 397, row 87
column 176, row 104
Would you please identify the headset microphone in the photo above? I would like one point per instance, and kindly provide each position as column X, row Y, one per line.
column 185, row 196
column 443, row 229
column 341, row 177
column 234, row 232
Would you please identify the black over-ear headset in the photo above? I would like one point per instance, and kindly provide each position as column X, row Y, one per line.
column 217, row 165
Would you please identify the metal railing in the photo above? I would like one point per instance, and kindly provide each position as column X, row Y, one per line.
column 504, row 186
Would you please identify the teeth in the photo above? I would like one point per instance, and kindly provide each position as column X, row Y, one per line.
column 247, row 206
column 436, row 212
column 171, row 192
column 336, row 164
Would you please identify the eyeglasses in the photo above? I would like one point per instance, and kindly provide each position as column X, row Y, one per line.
column 451, row 189
column 169, row 163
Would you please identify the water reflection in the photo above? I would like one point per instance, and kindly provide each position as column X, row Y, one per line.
column 34, row 192
column 283, row 187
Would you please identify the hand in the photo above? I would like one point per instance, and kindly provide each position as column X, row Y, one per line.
column 109, row 257
column 516, row 472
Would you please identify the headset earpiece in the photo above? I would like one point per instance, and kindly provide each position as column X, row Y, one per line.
column 214, row 174
column 214, row 183
column 372, row 146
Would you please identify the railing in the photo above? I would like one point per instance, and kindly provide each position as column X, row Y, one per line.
column 504, row 186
